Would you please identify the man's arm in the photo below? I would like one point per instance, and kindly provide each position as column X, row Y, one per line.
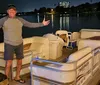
column 2, row 20
column 33, row 25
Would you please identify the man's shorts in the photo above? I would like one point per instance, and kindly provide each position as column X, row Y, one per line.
column 10, row 50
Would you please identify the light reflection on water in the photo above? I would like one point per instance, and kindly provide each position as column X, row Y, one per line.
column 63, row 21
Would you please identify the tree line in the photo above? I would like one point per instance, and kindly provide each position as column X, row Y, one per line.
column 82, row 8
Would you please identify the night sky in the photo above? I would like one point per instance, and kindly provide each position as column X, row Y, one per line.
column 30, row 5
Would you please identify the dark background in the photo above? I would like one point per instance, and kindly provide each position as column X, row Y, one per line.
column 30, row 5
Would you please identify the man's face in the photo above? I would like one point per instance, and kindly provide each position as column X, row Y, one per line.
column 11, row 12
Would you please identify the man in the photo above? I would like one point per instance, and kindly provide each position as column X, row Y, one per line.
column 13, row 42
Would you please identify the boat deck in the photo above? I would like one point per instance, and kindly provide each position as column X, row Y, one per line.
column 66, row 53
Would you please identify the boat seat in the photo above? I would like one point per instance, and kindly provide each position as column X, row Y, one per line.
column 87, row 33
column 64, row 35
column 75, row 36
column 40, row 47
column 78, row 54
column 88, row 42
column 2, row 61
column 55, row 45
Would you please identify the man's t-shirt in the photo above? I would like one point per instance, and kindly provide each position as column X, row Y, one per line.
column 12, row 28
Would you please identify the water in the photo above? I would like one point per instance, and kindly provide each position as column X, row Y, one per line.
column 58, row 22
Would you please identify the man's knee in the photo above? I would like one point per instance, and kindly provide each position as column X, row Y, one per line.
column 19, row 62
column 8, row 63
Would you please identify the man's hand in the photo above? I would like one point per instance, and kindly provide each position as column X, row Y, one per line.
column 45, row 23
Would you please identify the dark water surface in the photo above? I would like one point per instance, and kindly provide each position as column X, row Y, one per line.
column 57, row 22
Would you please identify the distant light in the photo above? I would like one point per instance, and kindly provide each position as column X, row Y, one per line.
column 3, row 14
column 19, row 14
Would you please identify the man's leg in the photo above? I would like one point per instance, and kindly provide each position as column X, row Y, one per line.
column 8, row 57
column 7, row 67
column 19, row 56
column 19, row 65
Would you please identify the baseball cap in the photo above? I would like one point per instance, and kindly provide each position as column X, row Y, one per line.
column 11, row 6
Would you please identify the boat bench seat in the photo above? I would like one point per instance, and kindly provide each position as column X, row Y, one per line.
column 86, row 34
